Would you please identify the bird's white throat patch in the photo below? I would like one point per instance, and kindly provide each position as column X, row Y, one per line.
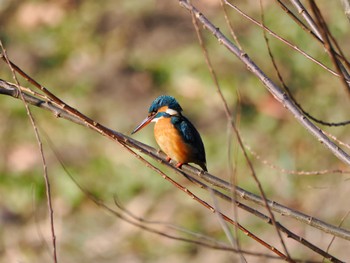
column 156, row 119
column 171, row 112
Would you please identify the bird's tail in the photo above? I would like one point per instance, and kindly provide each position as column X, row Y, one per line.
column 203, row 166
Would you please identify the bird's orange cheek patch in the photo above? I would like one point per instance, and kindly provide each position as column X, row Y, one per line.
column 163, row 109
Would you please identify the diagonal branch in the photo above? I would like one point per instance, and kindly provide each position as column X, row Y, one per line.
column 279, row 95
column 42, row 155
column 188, row 171
column 327, row 37
column 234, row 128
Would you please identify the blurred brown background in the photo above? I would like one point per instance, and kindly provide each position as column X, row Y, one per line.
column 110, row 59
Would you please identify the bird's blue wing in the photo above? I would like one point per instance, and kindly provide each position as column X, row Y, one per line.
column 189, row 134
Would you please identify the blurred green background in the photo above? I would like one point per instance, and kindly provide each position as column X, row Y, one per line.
column 110, row 59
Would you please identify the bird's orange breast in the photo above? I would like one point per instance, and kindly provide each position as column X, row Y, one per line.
column 171, row 142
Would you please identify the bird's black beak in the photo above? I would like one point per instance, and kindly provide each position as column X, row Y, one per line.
column 144, row 123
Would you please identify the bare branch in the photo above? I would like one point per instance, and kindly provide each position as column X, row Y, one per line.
column 281, row 96
column 346, row 7
column 41, row 150
column 188, row 171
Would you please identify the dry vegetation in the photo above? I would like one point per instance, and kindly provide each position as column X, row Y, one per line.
column 109, row 60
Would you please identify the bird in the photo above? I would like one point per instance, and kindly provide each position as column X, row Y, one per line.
column 174, row 133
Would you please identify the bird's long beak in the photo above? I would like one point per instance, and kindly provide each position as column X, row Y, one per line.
column 144, row 123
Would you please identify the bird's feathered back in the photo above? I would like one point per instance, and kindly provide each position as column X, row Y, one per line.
column 190, row 136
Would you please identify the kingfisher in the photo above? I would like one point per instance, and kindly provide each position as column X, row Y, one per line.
column 174, row 133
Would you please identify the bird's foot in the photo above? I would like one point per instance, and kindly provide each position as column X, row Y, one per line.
column 178, row 165
column 168, row 159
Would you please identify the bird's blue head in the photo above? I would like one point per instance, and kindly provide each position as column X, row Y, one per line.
column 163, row 106
column 165, row 101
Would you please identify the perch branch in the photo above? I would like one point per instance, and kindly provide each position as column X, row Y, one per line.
column 9, row 89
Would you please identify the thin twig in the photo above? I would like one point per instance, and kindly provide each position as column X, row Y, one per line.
column 236, row 132
column 186, row 169
column 305, row 14
column 286, row 171
column 227, row 112
column 10, row 90
column 128, row 217
column 230, row 26
column 340, row 224
column 326, row 34
column 127, row 142
column 286, row 88
column 302, row 10
column 296, row 48
column 41, row 150
column 281, row 96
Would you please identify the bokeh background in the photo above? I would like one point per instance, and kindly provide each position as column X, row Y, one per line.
column 110, row 59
